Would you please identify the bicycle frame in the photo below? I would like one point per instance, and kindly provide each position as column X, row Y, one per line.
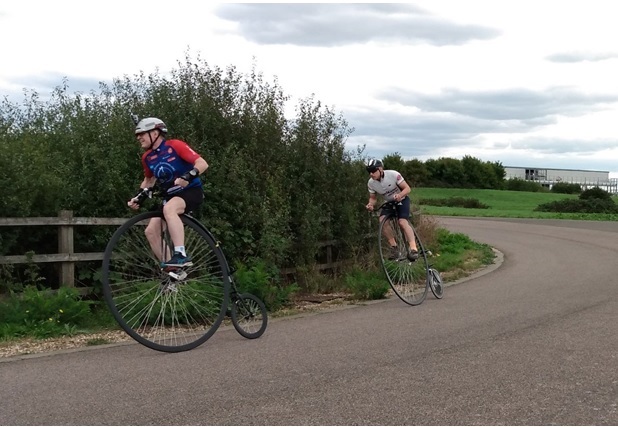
column 228, row 271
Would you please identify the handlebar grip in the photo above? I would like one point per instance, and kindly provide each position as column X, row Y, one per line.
column 143, row 194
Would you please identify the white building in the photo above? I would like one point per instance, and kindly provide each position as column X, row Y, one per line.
column 547, row 177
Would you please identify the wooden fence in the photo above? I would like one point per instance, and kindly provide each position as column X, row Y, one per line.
column 67, row 257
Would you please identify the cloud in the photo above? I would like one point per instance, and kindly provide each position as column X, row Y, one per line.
column 328, row 25
column 434, row 134
column 45, row 84
column 545, row 145
column 570, row 57
column 532, row 107
column 412, row 135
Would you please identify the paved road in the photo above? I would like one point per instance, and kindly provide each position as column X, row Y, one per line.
column 532, row 342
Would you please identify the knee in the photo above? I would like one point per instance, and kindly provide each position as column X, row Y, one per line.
column 172, row 208
column 169, row 209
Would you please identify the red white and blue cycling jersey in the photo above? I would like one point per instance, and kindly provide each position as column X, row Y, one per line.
column 169, row 161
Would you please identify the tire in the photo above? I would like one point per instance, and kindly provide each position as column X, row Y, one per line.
column 408, row 280
column 249, row 315
column 161, row 312
column 435, row 283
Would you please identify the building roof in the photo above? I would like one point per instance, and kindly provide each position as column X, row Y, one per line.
column 554, row 169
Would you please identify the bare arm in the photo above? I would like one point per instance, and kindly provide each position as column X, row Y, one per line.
column 148, row 182
column 201, row 165
column 372, row 202
column 405, row 190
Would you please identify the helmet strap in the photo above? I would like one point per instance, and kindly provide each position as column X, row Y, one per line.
column 152, row 142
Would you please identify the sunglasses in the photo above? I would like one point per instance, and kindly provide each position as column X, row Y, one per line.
column 372, row 171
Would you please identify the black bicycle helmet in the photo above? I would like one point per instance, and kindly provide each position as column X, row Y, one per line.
column 372, row 165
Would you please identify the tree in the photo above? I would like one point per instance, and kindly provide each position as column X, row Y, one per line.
column 446, row 171
column 416, row 173
column 394, row 161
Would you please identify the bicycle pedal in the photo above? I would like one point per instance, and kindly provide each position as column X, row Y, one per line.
column 177, row 275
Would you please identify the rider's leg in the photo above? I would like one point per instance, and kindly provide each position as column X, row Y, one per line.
column 403, row 211
column 172, row 210
column 153, row 234
column 388, row 233
column 407, row 230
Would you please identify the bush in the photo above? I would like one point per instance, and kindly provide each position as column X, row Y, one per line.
column 367, row 285
column 460, row 202
column 264, row 282
column 566, row 188
column 43, row 313
column 518, row 184
column 217, row 112
column 579, row 206
column 595, row 193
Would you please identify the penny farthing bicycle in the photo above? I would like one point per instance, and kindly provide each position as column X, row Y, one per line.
column 177, row 309
column 409, row 280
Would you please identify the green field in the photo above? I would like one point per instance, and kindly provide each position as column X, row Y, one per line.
column 502, row 204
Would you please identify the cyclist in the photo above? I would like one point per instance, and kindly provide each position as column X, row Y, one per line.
column 393, row 187
column 176, row 168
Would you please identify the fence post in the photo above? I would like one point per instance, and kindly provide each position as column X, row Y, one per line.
column 65, row 246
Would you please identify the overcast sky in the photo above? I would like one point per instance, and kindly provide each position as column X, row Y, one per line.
column 526, row 83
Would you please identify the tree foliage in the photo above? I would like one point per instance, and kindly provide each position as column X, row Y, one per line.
column 275, row 188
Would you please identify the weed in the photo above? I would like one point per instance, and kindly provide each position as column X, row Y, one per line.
column 367, row 285
column 97, row 341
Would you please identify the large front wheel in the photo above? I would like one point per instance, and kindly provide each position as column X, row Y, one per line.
column 408, row 279
column 168, row 310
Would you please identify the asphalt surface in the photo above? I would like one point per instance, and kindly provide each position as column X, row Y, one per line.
column 531, row 342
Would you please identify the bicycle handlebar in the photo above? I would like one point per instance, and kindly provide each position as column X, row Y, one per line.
column 154, row 191
column 392, row 203
column 143, row 194
column 385, row 204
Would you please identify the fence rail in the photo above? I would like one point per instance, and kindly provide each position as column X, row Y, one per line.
column 67, row 258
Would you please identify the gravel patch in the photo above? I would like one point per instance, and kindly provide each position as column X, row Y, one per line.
column 33, row 346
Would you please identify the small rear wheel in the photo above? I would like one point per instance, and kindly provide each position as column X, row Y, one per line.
column 408, row 279
column 435, row 282
column 249, row 315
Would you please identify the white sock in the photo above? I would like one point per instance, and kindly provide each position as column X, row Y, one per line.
column 180, row 249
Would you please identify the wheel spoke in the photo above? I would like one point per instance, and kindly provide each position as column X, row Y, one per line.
column 249, row 315
column 437, row 287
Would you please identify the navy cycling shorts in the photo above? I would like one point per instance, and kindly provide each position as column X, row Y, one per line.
column 403, row 209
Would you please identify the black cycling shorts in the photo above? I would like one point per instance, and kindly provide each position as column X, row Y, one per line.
column 193, row 198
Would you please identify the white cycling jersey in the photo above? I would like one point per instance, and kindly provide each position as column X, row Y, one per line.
column 387, row 186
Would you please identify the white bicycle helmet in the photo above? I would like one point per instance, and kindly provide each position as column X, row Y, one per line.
column 372, row 165
column 150, row 123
